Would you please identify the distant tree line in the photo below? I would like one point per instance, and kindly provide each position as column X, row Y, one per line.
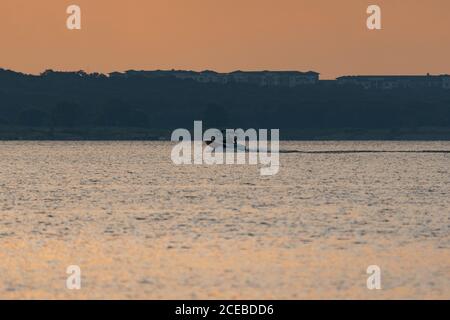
column 79, row 100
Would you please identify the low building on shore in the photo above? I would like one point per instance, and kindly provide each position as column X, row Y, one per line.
column 395, row 82
column 260, row 78
column 275, row 78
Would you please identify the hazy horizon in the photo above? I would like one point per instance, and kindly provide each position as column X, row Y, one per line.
column 330, row 38
column 224, row 72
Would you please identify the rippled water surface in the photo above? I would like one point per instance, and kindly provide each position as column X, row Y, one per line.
column 140, row 227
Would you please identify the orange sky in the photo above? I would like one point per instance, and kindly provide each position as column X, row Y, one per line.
column 327, row 36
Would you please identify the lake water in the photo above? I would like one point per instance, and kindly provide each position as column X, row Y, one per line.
column 140, row 227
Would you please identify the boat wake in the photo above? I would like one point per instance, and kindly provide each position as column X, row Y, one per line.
column 363, row 151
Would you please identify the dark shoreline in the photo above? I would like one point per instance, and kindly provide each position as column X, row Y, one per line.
column 142, row 134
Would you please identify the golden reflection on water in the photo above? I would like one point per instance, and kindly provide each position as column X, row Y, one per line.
column 140, row 227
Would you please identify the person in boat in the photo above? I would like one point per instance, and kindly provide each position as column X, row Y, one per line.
column 213, row 139
column 224, row 134
column 224, row 141
column 208, row 142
